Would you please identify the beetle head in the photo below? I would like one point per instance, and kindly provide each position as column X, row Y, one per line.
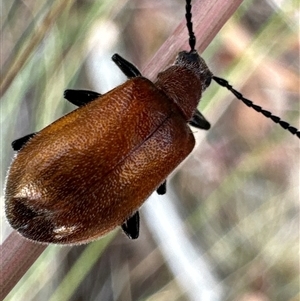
column 194, row 62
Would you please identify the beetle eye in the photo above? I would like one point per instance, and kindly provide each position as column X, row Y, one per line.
column 207, row 81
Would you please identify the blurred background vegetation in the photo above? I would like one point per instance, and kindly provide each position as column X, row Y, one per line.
column 234, row 203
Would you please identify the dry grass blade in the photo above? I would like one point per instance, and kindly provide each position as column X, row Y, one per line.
column 237, row 194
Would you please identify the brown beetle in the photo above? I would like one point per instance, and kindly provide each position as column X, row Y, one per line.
column 91, row 170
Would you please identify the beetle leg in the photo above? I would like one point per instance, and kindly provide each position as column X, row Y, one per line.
column 162, row 189
column 126, row 67
column 199, row 121
column 19, row 143
column 132, row 226
column 80, row 97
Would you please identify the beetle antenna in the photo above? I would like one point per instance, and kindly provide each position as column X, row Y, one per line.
column 224, row 83
column 189, row 24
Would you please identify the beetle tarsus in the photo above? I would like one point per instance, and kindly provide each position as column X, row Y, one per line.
column 80, row 97
column 132, row 226
column 162, row 189
column 19, row 143
column 126, row 67
column 198, row 121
